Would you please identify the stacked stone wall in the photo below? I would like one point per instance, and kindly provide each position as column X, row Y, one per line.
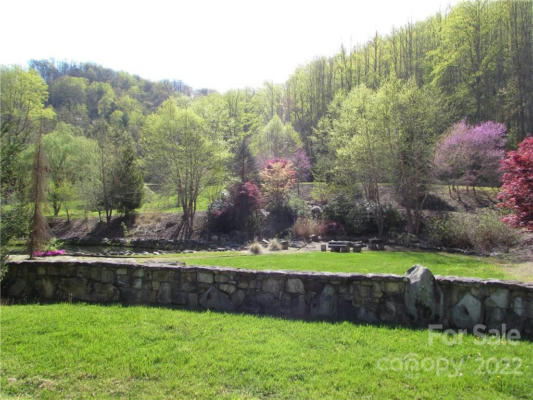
column 416, row 299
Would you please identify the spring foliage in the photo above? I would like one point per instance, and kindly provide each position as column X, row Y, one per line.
column 517, row 190
column 470, row 154
column 278, row 178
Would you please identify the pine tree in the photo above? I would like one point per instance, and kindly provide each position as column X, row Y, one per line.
column 244, row 163
column 129, row 187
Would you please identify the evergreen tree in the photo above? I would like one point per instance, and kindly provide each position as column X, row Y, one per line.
column 244, row 164
column 129, row 186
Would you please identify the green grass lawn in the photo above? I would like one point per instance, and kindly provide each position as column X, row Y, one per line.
column 394, row 262
column 89, row 351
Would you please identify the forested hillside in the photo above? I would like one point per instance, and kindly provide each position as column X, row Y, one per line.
column 368, row 115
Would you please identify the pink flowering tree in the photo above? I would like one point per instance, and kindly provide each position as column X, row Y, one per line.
column 470, row 155
column 516, row 194
column 302, row 166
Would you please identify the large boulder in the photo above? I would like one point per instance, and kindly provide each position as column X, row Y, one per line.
column 423, row 297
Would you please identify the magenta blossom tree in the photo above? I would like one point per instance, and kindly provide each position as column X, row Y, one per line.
column 470, row 155
column 301, row 164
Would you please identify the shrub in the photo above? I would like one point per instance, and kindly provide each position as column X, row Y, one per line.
column 359, row 217
column 220, row 215
column 333, row 229
column 280, row 219
column 274, row 245
column 436, row 203
column 487, row 232
column 321, row 192
column 299, row 207
column 256, row 248
column 246, row 199
column 235, row 209
column 301, row 227
column 305, row 227
column 448, row 231
column 392, row 219
column 483, row 232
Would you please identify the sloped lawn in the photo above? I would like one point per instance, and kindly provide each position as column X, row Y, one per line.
column 89, row 351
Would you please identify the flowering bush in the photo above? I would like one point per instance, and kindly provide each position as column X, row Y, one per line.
column 49, row 253
column 302, row 164
column 516, row 193
column 470, row 155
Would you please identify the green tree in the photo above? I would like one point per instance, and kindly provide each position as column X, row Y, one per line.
column 180, row 146
column 68, row 96
column 409, row 120
column 22, row 111
column 276, row 140
column 360, row 147
column 69, row 160
column 129, row 184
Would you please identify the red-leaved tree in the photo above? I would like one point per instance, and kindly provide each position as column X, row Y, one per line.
column 516, row 193
column 246, row 199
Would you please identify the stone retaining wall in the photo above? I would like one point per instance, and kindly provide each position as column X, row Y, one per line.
column 416, row 299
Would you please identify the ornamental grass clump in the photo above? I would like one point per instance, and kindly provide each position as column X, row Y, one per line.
column 275, row 245
column 256, row 248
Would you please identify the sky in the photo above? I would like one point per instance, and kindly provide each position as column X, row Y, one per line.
column 220, row 44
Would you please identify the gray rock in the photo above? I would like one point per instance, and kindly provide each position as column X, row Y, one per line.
column 214, row 299
column 205, row 277
column 107, row 276
column 74, row 287
column 227, row 288
column 316, row 212
column 325, row 305
column 423, row 298
column 192, row 299
column 105, row 292
column 138, row 273
column 238, row 297
column 221, row 277
column 393, row 287
column 499, row 298
column 17, row 288
column 272, row 285
column 518, row 306
column 164, row 293
column 467, row 312
column 295, row 285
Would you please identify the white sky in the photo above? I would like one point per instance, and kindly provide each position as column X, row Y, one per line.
column 206, row 43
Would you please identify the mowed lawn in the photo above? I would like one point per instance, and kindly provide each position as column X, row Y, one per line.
column 393, row 262
column 90, row 351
